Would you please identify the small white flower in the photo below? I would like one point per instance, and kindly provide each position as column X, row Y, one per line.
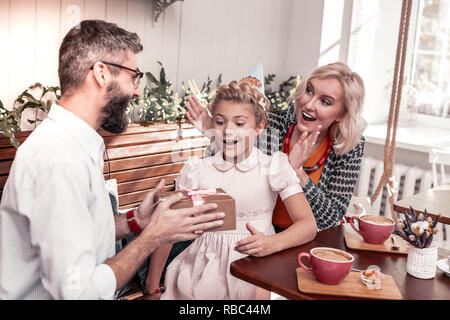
column 420, row 226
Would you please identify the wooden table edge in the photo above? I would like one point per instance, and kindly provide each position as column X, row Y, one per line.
column 257, row 282
column 401, row 209
column 296, row 294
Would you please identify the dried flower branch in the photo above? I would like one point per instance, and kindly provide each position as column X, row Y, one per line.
column 417, row 229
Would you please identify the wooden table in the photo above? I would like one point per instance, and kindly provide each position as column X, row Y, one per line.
column 277, row 272
column 436, row 200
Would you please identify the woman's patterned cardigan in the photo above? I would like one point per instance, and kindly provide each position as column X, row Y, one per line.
column 330, row 199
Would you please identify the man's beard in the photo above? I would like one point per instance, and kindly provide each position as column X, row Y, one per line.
column 115, row 120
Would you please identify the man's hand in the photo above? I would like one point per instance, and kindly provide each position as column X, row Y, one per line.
column 165, row 226
column 148, row 205
column 173, row 225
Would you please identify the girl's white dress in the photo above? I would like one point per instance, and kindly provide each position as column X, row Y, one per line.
column 202, row 271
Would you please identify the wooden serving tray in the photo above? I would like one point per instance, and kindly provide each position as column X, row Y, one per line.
column 354, row 241
column 351, row 286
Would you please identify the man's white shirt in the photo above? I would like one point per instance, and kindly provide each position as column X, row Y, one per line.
column 56, row 221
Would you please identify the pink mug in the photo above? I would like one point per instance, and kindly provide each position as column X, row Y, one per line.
column 328, row 265
column 373, row 228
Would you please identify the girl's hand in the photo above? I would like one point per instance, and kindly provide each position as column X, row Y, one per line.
column 197, row 115
column 303, row 149
column 257, row 245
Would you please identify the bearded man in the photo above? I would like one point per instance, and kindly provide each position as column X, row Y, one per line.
column 57, row 229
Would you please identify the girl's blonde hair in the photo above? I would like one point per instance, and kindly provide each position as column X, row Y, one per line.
column 244, row 92
column 349, row 129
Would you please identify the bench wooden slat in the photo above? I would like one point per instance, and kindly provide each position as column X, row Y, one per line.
column 142, row 138
column 144, row 184
column 141, row 173
column 138, row 196
column 159, row 147
column 7, row 153
column 129, row 205
column 5, row 166
column 5, row 143
column 134, row 128
column 3, row 180
column 155, row 159
column 21, row 136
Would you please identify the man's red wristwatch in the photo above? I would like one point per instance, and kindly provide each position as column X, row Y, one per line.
column 131, row 219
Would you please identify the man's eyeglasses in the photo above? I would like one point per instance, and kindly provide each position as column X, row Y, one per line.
column 136, row 78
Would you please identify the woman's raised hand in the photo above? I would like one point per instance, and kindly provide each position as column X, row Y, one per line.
column 303, row 149
column 197, row 114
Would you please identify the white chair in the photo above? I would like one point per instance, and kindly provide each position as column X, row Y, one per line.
column 439, row 158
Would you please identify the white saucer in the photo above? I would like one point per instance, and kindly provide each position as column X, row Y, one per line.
column 443, row 265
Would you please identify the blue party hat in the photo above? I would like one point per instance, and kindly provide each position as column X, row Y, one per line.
column 256, row 77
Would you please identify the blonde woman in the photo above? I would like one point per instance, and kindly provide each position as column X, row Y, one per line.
column 322, row 135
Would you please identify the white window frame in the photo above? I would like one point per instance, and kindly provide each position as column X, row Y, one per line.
column 382, row 105
column 420, row 118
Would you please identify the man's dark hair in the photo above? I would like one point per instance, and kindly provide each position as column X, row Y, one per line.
column 89, row 42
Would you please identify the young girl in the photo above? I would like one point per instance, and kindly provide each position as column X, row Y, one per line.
column 254, row 180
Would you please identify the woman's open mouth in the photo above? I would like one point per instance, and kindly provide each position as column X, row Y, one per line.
column 307, row 117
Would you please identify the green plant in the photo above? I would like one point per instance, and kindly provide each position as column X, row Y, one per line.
column 8, row 125
column 205, row 94
column 36, row 97
column 158, row 103
column 279, row 100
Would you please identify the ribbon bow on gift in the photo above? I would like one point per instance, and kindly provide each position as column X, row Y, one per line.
column 197, row 195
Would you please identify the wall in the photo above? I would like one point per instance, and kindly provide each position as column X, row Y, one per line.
column 407, row 157
column 372, row 52
column 193, row 39
column 336, row 29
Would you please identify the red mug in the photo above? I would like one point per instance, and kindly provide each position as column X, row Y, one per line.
column 374, row 229
column 328, row 265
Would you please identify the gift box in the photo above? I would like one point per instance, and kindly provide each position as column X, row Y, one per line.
column 225, row 203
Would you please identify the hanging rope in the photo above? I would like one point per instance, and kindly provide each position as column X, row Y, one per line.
column 389, row 147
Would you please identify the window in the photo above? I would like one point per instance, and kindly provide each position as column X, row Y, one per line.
column 372, row 51
column 428, row 91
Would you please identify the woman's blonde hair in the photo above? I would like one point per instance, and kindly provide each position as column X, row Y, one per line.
column 349, row 129
column 244, row 92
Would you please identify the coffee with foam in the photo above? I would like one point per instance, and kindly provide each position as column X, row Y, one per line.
column 376, row 219
column 331, row 255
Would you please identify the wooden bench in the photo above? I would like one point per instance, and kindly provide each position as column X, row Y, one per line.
column 138, row 159
column 141, row 156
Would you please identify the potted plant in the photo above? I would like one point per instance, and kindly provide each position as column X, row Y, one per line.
column 36, row 97
column 418, row 230
column 158, row 103
column 279, row 99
